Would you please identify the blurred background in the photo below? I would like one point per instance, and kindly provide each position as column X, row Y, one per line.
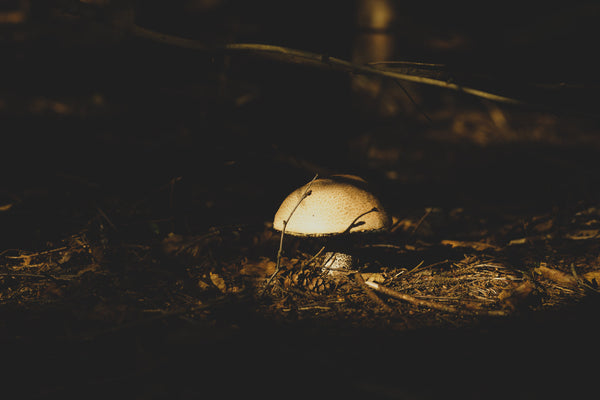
column 86, row 103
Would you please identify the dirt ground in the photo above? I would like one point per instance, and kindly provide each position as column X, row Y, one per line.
column 140, row 181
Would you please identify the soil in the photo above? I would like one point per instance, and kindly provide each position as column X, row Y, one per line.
column 138, row 259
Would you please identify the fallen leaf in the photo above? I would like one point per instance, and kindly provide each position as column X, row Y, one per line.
column 93, row 267
column 402, row 224
column 218, row 281
column 590, row 276
column 478, row 246
column 262, row 268
column 543, row 226
column 513, row 296
column 52, row 289
column 373, row 277
column 203, row 285
column 517, row 241
column 172, row 243
column 583, row 234
column 556, row 276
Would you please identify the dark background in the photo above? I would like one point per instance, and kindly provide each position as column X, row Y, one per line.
column 146, row 112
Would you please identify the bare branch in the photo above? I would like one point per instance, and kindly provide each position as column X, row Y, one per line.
column 294, row 56
column 306, row 193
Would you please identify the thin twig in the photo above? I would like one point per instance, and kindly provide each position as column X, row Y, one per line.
column 431, row 304
column 381, row 245
column 409, row 271
column 414, row 102
column 103, row 215
column 418, row 225
column 31, row 255
column 419, row 268
column 306, row 193
column 317, row 254
column 410, row 299
column 370, row 294
column 356, row 221
column 41, row 276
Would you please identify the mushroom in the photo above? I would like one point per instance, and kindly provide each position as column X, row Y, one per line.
column 337, row 209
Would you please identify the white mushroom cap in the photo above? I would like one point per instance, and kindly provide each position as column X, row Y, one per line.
column 334, row 205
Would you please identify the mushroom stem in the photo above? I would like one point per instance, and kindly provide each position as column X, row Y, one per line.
column 337, row 263
column 338, row 258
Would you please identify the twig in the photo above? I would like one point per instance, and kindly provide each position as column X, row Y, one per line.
column 370, row 294
column 41, row 276
column 409, row 271
column 317, row 254
column 381, row 245
column 430, row 304
column 422, row 73
column 103, row 215
column 34, row 254
column 414, row 102
column 418, row 225
column 410, row 299
column 306, row 193
column 419, row 268
column 356, row 221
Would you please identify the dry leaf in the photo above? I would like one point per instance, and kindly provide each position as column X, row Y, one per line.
column 543, row 226
column 373, row 277
column 172, row 243
column 52, row 289
column 477, row 246
column 93, row 267
column 203, row 285
column 556, row 276
column 513, row 296
column 590, row 276
column 264, row 267
column 583, row 234
column 517, row 241
column 218, row 281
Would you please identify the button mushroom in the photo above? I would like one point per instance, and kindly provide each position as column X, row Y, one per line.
column 337, row 209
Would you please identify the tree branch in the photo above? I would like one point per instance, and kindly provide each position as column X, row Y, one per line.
column 294, row 56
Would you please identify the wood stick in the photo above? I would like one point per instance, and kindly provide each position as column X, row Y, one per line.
column 431, row 304
column 370, row 294
column 294, row 56
column 410, row 299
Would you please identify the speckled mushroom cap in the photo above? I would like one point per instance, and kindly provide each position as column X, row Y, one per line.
column 335, row 204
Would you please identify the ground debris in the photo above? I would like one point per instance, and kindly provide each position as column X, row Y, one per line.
column 572, row 280
column 175, row 244
column 258, row 269
column 218, row 281
column 477, row 246
column 583, row 234
column 472, row 286
column 518, row 294
column 556, row 276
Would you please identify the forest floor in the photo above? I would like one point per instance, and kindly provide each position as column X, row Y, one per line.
column 136, row 237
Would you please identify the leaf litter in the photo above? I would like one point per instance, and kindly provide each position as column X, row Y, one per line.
column 178, row 274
